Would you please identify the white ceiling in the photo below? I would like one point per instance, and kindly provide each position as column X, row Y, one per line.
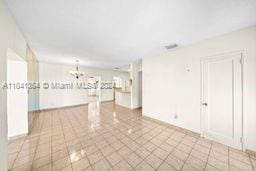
column 112, row 33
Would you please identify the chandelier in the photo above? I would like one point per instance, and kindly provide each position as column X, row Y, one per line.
column 76, row 73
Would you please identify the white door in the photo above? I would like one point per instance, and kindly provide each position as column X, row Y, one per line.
column 222, row 99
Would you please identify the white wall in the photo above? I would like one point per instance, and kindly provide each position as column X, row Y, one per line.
column 136, row 92
column 169, row 89
column 10, row 38
column 60, row 73
column 140, row 89
column 17, row 99
column 123, row 99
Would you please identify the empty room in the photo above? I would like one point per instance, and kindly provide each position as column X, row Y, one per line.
column 127, row 85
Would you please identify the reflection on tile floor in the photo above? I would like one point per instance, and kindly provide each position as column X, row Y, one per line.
column 109, row 137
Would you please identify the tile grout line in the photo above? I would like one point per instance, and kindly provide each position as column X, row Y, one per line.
column 109, row 153
column 228, row 159
column 251, row 163
column 208, row 156
column 90, row 165
column 170, row 151
column 65, row 141
column 106, row 129
column 17, row 154
column 79, row 142
column 21, row 150
column 184, row 162
column 41, row 127
column 51, row 139
column 163, row 160
column 144, row 147
column 118, row 150
column 143, row 160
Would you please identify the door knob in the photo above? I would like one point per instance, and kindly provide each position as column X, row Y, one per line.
column 205, row 104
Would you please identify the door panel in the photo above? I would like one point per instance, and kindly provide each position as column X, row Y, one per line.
column 222, row 91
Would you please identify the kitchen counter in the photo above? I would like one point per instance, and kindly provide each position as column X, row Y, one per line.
column 123, row 98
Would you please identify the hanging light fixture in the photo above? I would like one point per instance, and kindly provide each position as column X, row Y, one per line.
column 76, row 73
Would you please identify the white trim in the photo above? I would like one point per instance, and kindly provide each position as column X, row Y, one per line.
column 242, row 87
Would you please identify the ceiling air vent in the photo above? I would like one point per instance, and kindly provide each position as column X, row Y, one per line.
column 171, row 46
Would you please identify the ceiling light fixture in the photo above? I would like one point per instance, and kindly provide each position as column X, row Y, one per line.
column 76, row 73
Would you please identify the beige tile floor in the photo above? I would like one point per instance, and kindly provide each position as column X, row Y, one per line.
column 109, row 137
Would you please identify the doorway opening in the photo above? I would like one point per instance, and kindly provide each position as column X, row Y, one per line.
column 94, row 89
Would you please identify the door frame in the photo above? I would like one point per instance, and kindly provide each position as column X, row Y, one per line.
column 223, row 55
